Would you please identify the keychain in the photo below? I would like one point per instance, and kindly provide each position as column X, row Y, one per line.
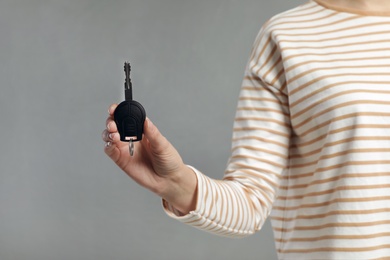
column 129, row 115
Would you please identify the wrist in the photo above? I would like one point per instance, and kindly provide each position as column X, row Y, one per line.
column 181, row 190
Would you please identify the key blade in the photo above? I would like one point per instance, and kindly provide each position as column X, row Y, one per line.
column 128, row 85
column 127, row 69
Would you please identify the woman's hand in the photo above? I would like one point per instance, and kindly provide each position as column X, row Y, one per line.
column 156, row 164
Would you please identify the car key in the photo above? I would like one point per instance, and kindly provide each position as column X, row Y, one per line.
column 129, row 115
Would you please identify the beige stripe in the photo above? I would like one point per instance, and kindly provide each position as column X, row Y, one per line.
column 335, row 213
column 332, row 76
column 261, row 129
column 385, row 58
column 254, row 148
column 263, row 99
column 362, row 150
column 336, row 38
column 341, row 165
column 381, row 258
column 355, row 138
column 327, row 24
column 339, row 118
column 336, row 166
column 338, row 45
column 357, row 66
column 339, row 200
column 332, row 179
column 276, row 26
column 259, row 159
column 335, row 249
column 262, row 109
column 344, row 29
column 336, row 224
column 333, row 237
column 368, row 126
column 254, row 88
column 236, row 173
column 374, row 50
column 264, row 119
column 358, row 138
column 257, row 138
column 254, row 79
column 316, row 151
column 243, row 167
column 328, row 156
column 330, row 191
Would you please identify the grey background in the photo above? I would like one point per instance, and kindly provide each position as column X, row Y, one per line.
column 61, row 67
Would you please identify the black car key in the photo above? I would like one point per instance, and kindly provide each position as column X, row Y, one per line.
column 129, row 115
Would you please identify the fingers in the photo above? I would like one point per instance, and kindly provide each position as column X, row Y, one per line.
column 111, row 126
column 110, row 137
column 110, row 134
column 157, row 142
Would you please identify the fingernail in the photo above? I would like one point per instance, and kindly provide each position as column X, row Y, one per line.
column 108, row 126
column 108, row 144
column 110, row 136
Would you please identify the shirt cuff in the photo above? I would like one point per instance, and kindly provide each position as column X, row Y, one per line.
column 205, row 216
column 192, row 215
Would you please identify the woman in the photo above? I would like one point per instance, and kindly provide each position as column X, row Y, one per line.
column 311, row 139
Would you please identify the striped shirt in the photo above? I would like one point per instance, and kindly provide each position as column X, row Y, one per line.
column 311, row 139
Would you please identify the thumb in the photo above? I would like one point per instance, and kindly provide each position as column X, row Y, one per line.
column 158, row 143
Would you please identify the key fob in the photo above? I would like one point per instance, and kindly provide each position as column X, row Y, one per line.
column 130, row 115
column 129, row 118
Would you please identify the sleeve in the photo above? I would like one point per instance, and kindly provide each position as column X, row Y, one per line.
column 239, row 204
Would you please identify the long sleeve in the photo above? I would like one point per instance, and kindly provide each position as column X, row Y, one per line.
column 311, row 139
column 239, row 204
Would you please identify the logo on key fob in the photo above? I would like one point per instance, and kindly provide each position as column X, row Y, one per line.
column 129, row 115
